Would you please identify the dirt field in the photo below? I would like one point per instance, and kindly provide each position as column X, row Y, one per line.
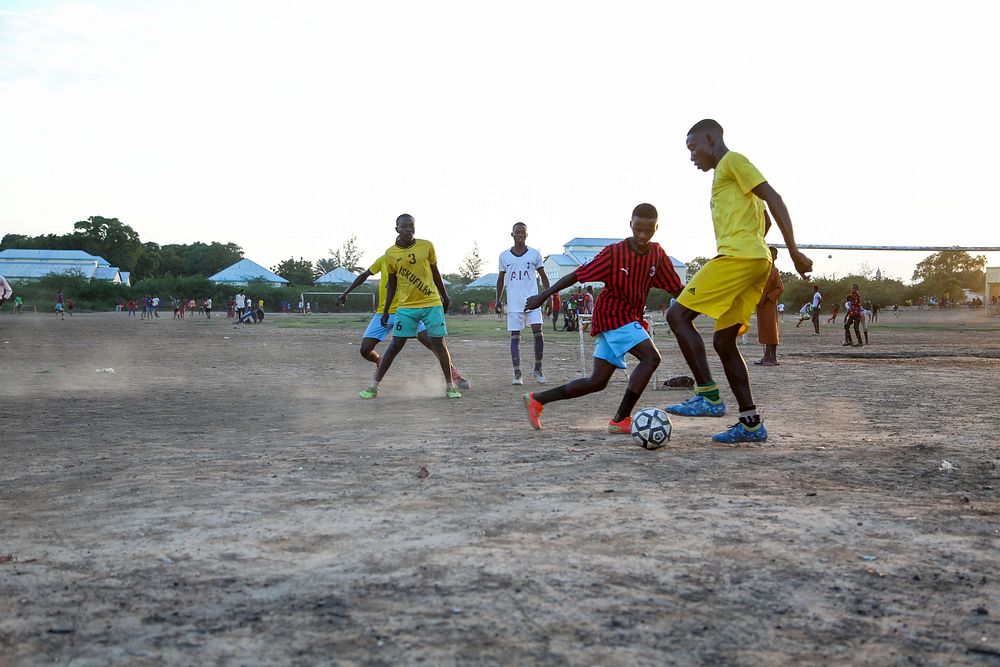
column 223, row 497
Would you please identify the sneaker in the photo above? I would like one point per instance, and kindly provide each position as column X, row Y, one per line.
column 680, row 382
column 539, row 378
column 370, row 392
column 624, row 426
column 738, row 432
column 846, row 344
column 517, row 380
column 697, row 406
column 534, row 411
column 452, row 392
column 459, row 380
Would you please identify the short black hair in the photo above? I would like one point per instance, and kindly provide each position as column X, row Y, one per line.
column 518, row 223
column 404, row 217
column 706, row 125
column 645, row 211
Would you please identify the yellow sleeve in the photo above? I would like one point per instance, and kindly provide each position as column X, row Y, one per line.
column 431, row 256
column 744, row 173
column 377, row 266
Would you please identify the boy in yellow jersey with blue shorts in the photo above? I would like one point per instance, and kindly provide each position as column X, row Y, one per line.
column 376, row 333
column 729, row 286
column 416, row 289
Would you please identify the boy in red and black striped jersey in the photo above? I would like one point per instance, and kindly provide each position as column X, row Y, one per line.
column 628, row 270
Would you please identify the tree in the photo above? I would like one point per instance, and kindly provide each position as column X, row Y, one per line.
column 323, row 266
column 296, row 271
column 949, row 271
column 111, row 239
column 472, row 265
column 694, row 266
column 347, row 256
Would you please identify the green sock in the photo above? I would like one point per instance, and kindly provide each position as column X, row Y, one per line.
column 709, row 391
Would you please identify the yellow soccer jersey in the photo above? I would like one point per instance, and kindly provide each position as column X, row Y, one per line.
column 379, row 268
column 737, row 213
column 414, row 280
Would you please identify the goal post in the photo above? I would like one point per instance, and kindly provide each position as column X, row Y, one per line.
column 326, row 302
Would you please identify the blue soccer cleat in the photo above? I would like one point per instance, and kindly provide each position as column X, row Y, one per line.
column 738, row 432
column 697, row 406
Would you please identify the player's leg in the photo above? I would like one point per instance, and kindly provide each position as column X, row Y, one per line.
column 374, row 334
column 598, row 380
column 734, row 365
column 515, row 322
column 535, row 320
column 425, row 340
column 433, row 319
column 405, row 328
column 649, row 360
column 707, row 401
column 847, row 330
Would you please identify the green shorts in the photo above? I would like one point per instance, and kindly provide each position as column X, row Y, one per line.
column 408, row 320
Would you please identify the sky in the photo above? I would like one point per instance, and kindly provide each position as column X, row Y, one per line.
column 288, row 127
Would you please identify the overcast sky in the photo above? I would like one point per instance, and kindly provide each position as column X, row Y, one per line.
column 287, row 127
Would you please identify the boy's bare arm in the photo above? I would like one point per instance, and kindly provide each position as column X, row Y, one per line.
column 777, row 206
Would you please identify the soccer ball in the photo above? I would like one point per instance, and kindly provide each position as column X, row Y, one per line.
column 651, row 428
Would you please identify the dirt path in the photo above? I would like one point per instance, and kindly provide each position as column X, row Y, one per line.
column 223, row 497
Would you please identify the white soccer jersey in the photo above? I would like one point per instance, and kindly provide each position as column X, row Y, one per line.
column 522, row 276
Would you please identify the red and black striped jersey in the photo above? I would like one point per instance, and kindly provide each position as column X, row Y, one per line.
column 627, row 277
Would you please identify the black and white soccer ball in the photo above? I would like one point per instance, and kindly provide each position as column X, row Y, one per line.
column 651, row 428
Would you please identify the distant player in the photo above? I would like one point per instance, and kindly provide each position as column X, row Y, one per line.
column 376, row 332
column 59, row 304
column 628, row 270
column 520, row 269
column 416, row 287
column 855, row 315
column 730, row 285
column 767, row 315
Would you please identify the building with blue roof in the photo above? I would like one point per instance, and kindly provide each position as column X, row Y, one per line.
column 488, row 280
column 338, row 276
column 32, row 264
column 246, row 271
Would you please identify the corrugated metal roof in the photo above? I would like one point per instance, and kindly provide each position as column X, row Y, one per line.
column 589, row 241
column 488, row 280
column 32, row 254
column 14, row 269
column 109, row 273
column 245, row 271
column 126, row 278
column 563, row 260
column 339, row 276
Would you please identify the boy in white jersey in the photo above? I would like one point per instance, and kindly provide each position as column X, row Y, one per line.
column 518, row 266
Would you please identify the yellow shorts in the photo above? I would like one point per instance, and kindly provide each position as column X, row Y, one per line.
column 728, row 290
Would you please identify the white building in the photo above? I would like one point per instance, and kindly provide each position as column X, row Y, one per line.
column 31, row 264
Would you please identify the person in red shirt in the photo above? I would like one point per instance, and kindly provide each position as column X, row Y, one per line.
column 556, row 310
column 628, row 270
column 855, row 315
column 131, row 307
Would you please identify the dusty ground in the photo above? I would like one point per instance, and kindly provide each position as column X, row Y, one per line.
column 224, row 497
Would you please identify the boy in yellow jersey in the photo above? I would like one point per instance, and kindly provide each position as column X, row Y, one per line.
column 416, row 287
column 376, row 333
column 730, row 285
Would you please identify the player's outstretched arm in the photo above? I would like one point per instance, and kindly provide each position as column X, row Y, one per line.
column 536, row 301
column 390, row 294
column 774, row 202
column 342, row 299
column 439, row 283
